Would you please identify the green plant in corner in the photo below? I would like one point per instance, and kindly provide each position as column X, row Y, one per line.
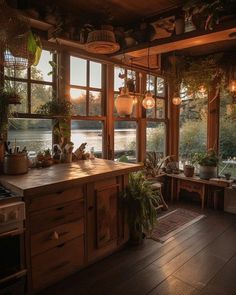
column 206, row 159
column 139, row 199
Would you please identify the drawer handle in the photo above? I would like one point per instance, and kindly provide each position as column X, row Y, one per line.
column 54, row 236
column 59, row 192
column 90, row 208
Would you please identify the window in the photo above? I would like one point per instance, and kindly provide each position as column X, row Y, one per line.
column 227, row 149
column 90, row 132
column 34, row 134
column 125, row 141
column 86, row 89
column 156, row 138
column 193, row 126
column 87, row 96
column 156, row 117
column 125, row 131
column 36, row 87
column 120, row 76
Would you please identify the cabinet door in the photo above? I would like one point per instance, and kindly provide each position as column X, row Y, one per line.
column 106, row 215
column 102, row 218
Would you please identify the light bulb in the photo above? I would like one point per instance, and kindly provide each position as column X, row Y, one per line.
column 176, row 100
column 202, row 89
column 232, row 86
column 149, row 101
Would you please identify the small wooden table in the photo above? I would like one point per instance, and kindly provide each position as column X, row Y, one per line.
column 193, row 184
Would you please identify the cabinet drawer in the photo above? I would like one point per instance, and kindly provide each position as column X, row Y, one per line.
column 48, row 239
column 57, row 263
column 60, row 197
column 50, row 218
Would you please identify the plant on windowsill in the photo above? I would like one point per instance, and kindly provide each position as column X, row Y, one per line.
column 153, row 164
column 139, row 200
column 208, row 163
column 61, row 111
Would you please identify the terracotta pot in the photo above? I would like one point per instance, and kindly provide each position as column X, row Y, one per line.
column 188, row 170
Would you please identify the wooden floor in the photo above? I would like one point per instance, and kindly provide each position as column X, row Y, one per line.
column 201, row 259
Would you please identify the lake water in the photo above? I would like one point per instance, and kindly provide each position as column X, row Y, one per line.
column 36, row 140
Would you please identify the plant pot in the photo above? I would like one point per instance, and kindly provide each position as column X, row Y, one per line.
column 188, row 170
column 136, row 237
column 179, row 26
column 207, row 172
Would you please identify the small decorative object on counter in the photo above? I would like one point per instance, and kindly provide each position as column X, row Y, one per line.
column 56, row 153
column 44, row 158
column 66, row 155
column 92, row 156
column 80, row 153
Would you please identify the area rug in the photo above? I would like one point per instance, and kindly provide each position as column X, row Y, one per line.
column 173, row 222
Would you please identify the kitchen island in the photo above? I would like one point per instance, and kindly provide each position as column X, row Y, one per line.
column 73, row 216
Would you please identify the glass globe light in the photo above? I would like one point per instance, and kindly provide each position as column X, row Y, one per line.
column 232, row 86
column 148, row 102
column 176, row 100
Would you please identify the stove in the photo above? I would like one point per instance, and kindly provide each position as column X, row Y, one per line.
column 12, row 217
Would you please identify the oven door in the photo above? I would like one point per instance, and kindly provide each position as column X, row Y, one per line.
column 12, row 266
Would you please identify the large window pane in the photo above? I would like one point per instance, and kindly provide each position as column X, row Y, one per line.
column 43, row 69
column 118, row 82
column 125, row 141
column 90, row 132
column 9, row 72
column 40, row 94
column 193, row 126
column 95, row 100
column 95, row 75
column 160, row 87
column 21, row 89
column 34, row 134
column 78, row 101
column 227, row 135
column 156, row 136
column 78, row 71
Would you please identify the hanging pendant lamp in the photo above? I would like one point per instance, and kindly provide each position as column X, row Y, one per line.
column 148, row 101
column 124, row 103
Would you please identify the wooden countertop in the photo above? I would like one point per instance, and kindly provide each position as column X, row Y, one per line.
column 64, row 176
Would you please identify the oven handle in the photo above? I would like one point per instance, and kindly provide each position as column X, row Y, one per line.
column 18, row 274
column 13, row 232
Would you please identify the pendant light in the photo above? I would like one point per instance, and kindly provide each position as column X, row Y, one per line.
column 176, row 100
column 124, row 102
column 148, row 101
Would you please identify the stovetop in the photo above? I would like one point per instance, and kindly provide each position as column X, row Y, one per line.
column 7, row 195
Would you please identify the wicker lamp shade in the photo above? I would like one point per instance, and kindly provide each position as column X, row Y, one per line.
column 14, row 34
column 102, row 42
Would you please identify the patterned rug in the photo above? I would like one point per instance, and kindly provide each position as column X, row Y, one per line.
column 173, row 222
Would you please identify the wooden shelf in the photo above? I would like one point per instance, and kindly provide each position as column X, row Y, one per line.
column 67, row 42
column 178, row 42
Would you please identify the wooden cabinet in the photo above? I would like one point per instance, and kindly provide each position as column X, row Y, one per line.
column 70, row 229
column 55, row 231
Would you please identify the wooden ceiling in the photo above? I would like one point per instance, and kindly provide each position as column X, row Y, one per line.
column 123, row 12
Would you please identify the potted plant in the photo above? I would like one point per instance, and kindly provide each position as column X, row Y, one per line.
column 61, row 110
column 153, row 164
column 139, row 199
column 208, row 164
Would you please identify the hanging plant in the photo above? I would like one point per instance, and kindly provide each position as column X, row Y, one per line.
column 35, row 47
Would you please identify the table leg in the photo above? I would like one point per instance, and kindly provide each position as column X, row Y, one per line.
column 203, row 195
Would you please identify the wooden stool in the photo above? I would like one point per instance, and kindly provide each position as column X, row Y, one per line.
column 156, row 186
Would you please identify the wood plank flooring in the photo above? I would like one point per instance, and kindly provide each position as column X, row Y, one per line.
column 200, row 260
